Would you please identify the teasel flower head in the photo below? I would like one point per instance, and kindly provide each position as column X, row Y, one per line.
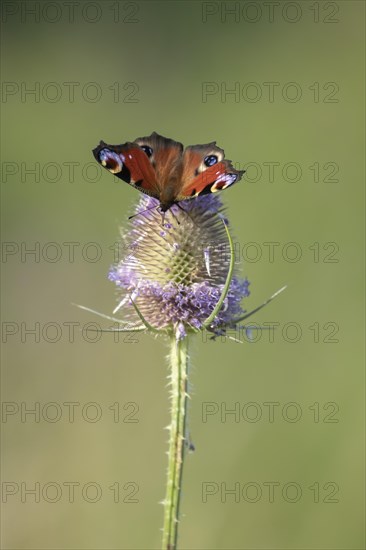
column 179, row 277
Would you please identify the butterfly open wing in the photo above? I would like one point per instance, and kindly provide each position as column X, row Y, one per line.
column 129, row 163
column 150, row 164
column 205, row 170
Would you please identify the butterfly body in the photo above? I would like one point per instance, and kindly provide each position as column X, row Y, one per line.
column 162, row 168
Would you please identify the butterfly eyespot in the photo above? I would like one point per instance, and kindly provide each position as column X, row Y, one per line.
column 111, row 161
column 147, row 150
column 210, row 160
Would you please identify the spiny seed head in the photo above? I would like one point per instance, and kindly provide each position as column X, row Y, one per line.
column 176, row 273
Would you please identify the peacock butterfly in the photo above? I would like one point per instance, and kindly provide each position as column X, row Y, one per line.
column 162, row 168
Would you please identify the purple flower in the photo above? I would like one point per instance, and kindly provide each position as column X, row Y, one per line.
column 176, row 274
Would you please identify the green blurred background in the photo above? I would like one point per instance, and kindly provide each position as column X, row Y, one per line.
column 150, row 64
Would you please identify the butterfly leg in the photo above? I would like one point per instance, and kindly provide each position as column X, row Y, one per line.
column 185, row 211
column 162, row 217
column 174, row 216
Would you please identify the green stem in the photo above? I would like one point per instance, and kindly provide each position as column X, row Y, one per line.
column 177, row 444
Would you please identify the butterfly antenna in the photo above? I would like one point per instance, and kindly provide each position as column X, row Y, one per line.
column 141, row 212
